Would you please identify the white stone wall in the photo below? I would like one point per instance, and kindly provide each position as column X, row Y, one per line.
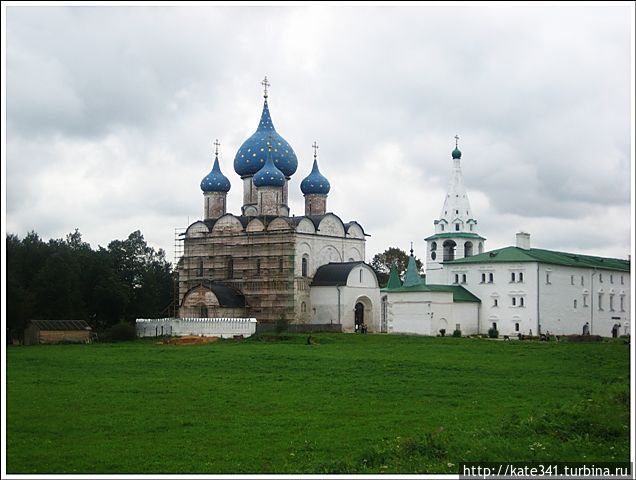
column 549, row 306
column 425, row 313
column 207, row 327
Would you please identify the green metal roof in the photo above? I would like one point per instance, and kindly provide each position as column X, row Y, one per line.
column 515, row 254
column 460, row 294
column 394, row 278
column 455, row 235
column 412, row 277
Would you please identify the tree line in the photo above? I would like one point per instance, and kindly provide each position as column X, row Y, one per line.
column 65, row 279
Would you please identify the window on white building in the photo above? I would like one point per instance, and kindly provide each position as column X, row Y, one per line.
column 520, row 277
column 442, row 225
column 622, row 298
column 571, row 279
column 521, row 301
column 600, row 278
column 361, row 275
column 463, row 278
column 495, row 302
column 516, row 326
column 600, row 302
column 514, row 301
column 483, row 278
column 491, row 277
column 622, row 280
column 611, row 278
column 582, row 280
column 512, row 277
column 585, row 300
column 575, row 303
column 456, row 278
column 611, row 302
column 547, row 278
column 304, row 266
column 457, row 227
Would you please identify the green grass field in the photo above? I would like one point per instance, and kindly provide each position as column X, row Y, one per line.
column 348, row 404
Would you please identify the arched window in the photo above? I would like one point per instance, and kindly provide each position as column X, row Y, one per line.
column 230, row 268
column 468, row 249
column 361, row 275
column 200, row 269
column 481, row 247
column 303, row 307
column 304, row 266
column 449, row 250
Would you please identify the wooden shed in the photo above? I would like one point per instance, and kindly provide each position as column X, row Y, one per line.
column 57, row 331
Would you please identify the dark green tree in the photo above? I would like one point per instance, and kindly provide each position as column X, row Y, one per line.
column 382, row 262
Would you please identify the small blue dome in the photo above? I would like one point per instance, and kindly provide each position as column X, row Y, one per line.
column 215, row 181
column 457, row 153
column 253, row 153
column 269, row 175
column 315, row 182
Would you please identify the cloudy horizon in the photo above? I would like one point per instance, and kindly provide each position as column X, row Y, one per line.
column 112, row 112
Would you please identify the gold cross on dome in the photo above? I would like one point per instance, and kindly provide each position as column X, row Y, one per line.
column 265, row 84
column 216, row 145
column 315, row 147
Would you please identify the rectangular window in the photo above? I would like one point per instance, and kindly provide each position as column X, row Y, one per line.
column 547, row 278
column 495, row 302
column 520, row 277
column 514, row 301
column 457, row 227
column 456, row 278
column 622, row 302
column 463, row 278
column 611, row 302
column 512, row 277
column 585, row 300
column 600, row 278
column 582, row 281
column 600, row 302
column 517, row 327
column 611, row 278
column 571, row 279
column 483, row 278
column 491, row 277
column 521, row 301
column 575, row 303
column 622, row 280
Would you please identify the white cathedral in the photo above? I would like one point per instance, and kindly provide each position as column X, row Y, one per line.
column 264, row 263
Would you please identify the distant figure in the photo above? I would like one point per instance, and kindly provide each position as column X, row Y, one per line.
column 615, row 330
column 586, row 328
column 530, row 334
column 364, row 328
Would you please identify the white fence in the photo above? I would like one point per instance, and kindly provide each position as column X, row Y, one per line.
column 207, row 327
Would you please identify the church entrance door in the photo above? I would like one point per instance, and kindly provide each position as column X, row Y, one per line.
column 359, row 317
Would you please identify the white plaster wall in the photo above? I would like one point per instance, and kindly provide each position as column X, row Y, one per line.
column 207, row 327
column 553, row 306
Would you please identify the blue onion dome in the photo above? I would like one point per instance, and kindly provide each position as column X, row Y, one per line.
column 457, row 153
column 253, row 153
column 215, row 181
column 269, row 175
column 315, row 182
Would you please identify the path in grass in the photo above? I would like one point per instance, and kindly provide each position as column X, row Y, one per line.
column 350, row 403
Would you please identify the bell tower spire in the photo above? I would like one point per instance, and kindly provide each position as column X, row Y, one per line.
column 456, row 233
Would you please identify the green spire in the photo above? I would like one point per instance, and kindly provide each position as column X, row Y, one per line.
column 412, row 277
column 394, row 278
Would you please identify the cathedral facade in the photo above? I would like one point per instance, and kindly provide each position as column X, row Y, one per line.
column 261, row 262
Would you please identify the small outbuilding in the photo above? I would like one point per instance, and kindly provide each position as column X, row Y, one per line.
column 57, row 331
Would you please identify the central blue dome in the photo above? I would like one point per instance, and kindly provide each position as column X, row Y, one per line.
column 269, row 175
column 315, row 182
column 253, row 153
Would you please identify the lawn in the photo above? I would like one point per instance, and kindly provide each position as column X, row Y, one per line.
column 344, row 404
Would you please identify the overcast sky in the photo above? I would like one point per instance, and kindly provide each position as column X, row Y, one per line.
column 112, row 112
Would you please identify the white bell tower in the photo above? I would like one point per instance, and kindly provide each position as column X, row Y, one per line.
column 456, row 233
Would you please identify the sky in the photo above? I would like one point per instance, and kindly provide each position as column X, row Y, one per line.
column 111, row 115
